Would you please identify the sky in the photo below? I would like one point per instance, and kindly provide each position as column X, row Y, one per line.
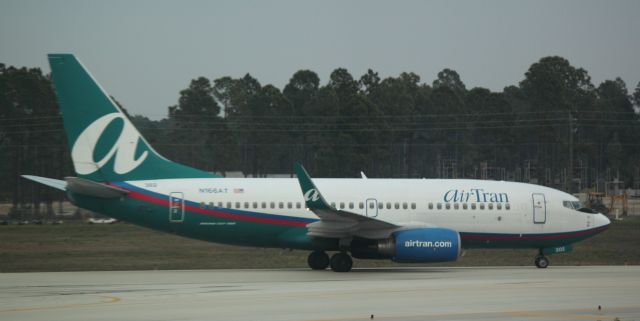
column 144, row 52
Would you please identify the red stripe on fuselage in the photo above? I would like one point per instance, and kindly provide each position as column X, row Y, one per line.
column 532, row 237
column 190, row 208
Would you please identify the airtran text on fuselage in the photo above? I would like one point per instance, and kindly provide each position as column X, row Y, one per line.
column 475, row 195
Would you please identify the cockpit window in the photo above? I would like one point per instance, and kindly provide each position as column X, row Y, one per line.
column 574, row 205
column 577, row 205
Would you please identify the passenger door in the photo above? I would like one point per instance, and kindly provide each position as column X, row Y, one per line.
column 539, row 208
column 176, row 207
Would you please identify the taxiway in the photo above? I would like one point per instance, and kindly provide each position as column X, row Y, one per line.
column 429, row 293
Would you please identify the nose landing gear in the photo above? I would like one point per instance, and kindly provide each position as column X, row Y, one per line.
column 541, row 261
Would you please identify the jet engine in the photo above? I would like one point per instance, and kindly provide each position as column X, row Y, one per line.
column 423, row 245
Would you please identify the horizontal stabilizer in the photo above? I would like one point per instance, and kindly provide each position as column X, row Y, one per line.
column 80, row 186
column 91, row 188
column 51, row 182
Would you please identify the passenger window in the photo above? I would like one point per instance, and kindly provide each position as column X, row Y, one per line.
column 448, row 206
column 507, row 206
column 246, row 204
column 228, row 204
column 499, row 206
column 202, row 205
column 388, row 205
column 405, row 206
column 456, row 205
column 413, row 206
column 255, row 204
column 371, row 205
column 289, row 205
column 361, row 205
column 264, row 204
column 439, row 206
column 430, row 206
column 397, row 205
column 350, row 205
column 341, row 205
column 298, row 205
column 380, row 205
column 464, row 206
column 211, row 205
column 490, row 206
column 473, row 206
column 333, row 204
column 273, row 204
column 280, row 205
column 220, row 204
column 237, row 204
column 481, row 206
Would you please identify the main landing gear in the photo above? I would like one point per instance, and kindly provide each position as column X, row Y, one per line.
column 318, row 260
column 339, row 262
column 541, row 261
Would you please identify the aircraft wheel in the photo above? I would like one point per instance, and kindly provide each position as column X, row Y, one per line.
column 341, row 262
column 542, row 262
column 318, row 260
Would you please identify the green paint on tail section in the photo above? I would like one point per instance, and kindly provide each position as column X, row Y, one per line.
column 312, row 197
column 105, row 146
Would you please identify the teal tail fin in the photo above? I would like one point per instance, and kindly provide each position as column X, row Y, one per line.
column 105, row 146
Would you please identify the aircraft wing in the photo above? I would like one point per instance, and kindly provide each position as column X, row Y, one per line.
column 335, row 223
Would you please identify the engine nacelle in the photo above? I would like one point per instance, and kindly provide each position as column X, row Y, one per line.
column 423, row 245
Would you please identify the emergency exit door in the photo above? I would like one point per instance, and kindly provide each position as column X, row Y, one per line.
column 371, row 207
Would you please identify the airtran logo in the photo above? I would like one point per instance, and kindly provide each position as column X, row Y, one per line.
column 312, row 195
column 427, row 244
column 476, row 195
column 123, row 149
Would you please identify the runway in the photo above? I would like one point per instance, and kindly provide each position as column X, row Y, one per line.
column 430, row 293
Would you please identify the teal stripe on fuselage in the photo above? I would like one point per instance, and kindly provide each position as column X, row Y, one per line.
column 496, row 240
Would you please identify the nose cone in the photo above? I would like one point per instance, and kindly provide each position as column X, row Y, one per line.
column 602, row 221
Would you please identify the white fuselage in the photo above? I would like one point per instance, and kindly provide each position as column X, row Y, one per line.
column 471, row 206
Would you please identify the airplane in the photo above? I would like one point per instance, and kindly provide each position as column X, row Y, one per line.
column 120, row 175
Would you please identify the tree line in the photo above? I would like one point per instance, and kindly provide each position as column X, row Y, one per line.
column 555, row 127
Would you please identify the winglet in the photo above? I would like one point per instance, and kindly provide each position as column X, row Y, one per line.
column 312, row 197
